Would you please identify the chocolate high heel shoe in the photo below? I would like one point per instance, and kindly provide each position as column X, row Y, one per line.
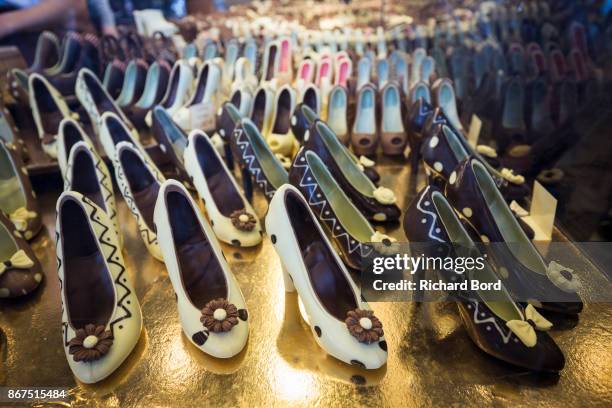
column 172, row 140
column 96, row 100
column 17, row 199
column 47, row 53
column 114, row 130
column 228, row 117
column 497, row 324
column 101, row 317
column 392, row 132
column 364, row 136
column 280, row 138
column 139, row 181
column 232, row 218
column 21, row 272
column 257, row 162
column 473, row 192
column 87, row 174
column 191, row 115
column 155, row 86
column 375, row 203
column 210, row 304
column 70, row 133
column 301, row 121
column 181, row 78
column 262, row 108
column 344, row 223
column 48, row 109
column 420, row 109
column 342, row 323
column 133, row 83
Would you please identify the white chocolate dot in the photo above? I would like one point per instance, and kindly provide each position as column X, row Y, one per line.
column 452, row 178
column 438, row 166
column 38, row 277
column 293, row 120
column 306, row 135
column 90, row 341
column 467, row 211
column 433, row 142
column 222, row 132
column 365, row 323
column 243, row 217
column 423, row 220
column 380, row 217
column 485, row 239
column 220, row 314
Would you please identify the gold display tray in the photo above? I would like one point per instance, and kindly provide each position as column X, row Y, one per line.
column 432, row 361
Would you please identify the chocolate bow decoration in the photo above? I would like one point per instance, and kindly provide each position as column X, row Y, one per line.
column 19, row 260
column 525, row 329
column 20, row 218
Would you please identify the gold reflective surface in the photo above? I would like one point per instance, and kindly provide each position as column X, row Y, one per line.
column 431, row 359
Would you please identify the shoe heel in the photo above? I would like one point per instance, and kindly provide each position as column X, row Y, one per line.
column 247, row 184
column 289, row 287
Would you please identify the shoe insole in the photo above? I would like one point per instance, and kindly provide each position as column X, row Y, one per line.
column 210, row 51
column 204, row 86
column 311, row 99
column 250, row 52
column 382, row 69
column 459, row 151
column 401, row 73
column 306, row 71
column 509, row 228
column 88, row 286
column 417, row 60
column 421, row 91
column 282, row 118
column 129, row 84
column 85, row 179
column 363, row 72
column 100, row 98
column 448, row 103
column 113, row 80
column 343, row 72
column 117, row 132
column 512, row 117
column 173, row 85
column 143, row 185
column 392, row 112
column 336, row 117
column 540, row 112
column 258, row 116
column 324, row 70
column 285, row 56
column 231, row 54
column 366, row 113
column 428, row 67
column 326, row 277
column 147, row 100
column 271, row 62
column 220, row 185
column 199, row 269
column 50, row 115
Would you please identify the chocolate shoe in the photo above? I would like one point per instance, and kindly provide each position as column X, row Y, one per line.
column 210, row 304
column 171, row 138
column 261, row 111
column 364, row 135
column 375, row 203
column 70, row 133
column 473, row 192
column 133, row 83
column 280, row 138
column 232, row 218
column 337, row 113
column 139, row 182
column 497, row 324
column 101, row 317
column 392, row 132
column 340, row 320
column 21, row 272
column 48, row 109
column 259, row 165
column 344, row 223
column 17, row 199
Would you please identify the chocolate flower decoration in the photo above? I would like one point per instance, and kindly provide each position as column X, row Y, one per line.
column 219, row 315
column 243, row 220
column 90, row 343
column 364, row 326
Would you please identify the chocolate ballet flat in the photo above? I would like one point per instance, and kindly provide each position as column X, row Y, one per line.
column 496, row 323
column 341, row 322
column 21, row 272
column 210, row 304
column 343, row 222
column 480, row 204
column 139, row 181
column 101, row 317
column 232, row 218
column 375, row 203
column 17, row 199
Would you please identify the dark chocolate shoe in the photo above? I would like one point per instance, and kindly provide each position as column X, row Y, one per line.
column 479, row 202
column 172, row 140
column 376, row 203
column 496, row 323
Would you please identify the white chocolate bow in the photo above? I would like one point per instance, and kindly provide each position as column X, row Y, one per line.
column 19, row 260
column 20, row 218
column 511, row 177
column 569, row 284
column 384, row 195
column 524, row 329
